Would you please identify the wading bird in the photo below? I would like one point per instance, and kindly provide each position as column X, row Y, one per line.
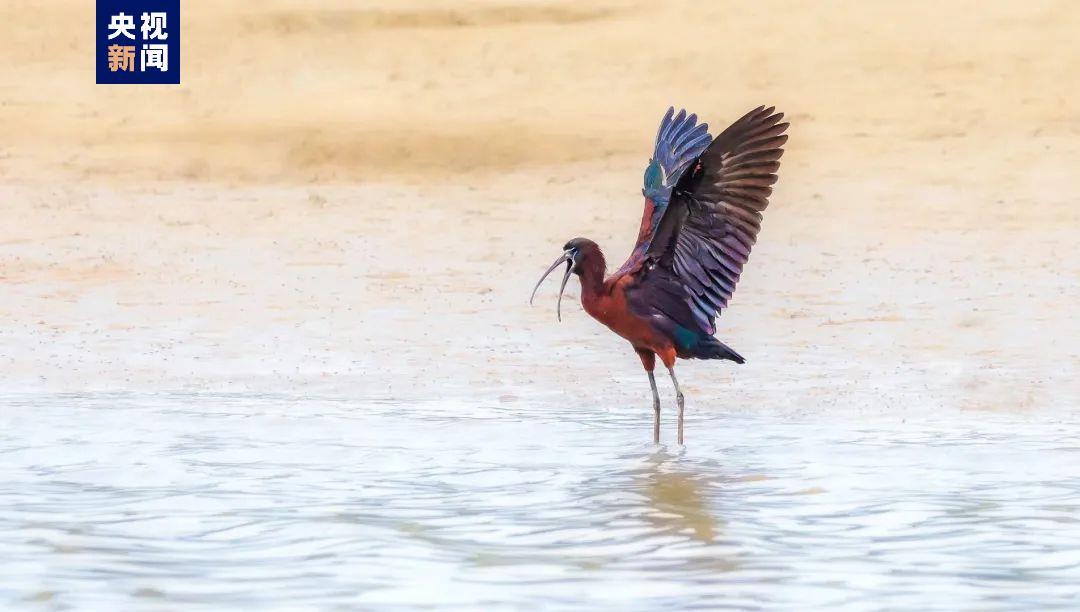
column 703, row 203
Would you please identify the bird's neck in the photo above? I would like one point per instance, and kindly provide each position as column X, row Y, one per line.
column 593, row 268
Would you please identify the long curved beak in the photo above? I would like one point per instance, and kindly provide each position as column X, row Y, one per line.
column 565, row 257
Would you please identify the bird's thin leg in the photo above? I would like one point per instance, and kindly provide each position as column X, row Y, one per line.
column 679, row 400
column 656, row 409
column 648, row 361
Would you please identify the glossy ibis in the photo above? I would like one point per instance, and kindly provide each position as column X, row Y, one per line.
column 703, row 203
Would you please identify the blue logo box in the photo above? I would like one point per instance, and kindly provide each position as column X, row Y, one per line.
column 138, row 42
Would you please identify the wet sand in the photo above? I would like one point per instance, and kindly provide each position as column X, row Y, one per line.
column 352, row 204
column 385, row 291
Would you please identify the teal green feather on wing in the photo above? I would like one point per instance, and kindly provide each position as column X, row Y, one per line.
column 686, row 338
column 654, row 176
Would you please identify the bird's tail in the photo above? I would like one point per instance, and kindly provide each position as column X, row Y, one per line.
column 711, row 348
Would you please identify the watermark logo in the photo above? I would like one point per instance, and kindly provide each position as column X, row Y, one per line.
column 138, row 41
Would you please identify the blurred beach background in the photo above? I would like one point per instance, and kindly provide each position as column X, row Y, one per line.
column 351, row 200
column 367, row 189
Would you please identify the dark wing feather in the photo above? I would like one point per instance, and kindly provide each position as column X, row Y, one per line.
column 679, row 141
column 707, row 230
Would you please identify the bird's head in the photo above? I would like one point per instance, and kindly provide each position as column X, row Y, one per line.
column 575, row 252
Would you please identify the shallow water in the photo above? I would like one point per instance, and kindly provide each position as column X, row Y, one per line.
column 149, row 501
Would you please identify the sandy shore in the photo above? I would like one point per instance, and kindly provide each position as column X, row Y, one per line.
column 356, row 201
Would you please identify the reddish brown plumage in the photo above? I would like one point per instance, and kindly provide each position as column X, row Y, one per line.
column 605, row 300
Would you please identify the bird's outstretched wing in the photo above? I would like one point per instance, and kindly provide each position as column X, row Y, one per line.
column 679, row 141
column 704, row 236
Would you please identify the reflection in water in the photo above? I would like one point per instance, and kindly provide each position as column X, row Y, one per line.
column 256, row 501
column 676, row 499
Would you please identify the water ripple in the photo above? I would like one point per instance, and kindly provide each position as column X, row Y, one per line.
column 275, row 501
